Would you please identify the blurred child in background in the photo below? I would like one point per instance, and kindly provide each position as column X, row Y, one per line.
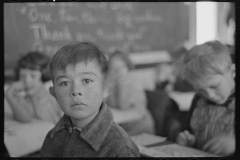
column 126, row 94
column 28, row 98
column 168, row 77
column 211, row 119
column 165, row 76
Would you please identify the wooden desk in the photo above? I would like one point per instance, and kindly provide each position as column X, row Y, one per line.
column 156, row 146
column 22, row 139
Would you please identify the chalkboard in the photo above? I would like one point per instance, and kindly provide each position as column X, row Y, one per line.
column 130, row 26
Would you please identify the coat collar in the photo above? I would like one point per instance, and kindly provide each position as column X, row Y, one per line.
column 95, row 132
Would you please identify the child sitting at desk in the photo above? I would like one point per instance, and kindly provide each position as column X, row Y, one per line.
column 28, row 97
column 87, row 128
column 209, row 68
column 165, row 76
column 124, row 94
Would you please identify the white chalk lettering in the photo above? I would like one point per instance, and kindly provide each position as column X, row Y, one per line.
column 48, row 49
column 148, row 16
column 64, row 17
column 35, row 28
column 34, row 15
column 40, row 32
column 121, row 5
column 88, row 18
column 117, row 35
column 101, row 5
column 85, row 37
column 124, row 19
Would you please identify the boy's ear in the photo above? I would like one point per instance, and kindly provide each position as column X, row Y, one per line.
column 105, row 92
column 52, row 91
column 105, row 87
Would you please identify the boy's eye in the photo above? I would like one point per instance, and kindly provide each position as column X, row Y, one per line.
column 214, row 86
column 33, row 76
column 201, row 92
column 65, row 83
column 87, row 81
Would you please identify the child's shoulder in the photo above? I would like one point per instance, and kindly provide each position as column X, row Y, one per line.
column 118, row 132
column 121, row 138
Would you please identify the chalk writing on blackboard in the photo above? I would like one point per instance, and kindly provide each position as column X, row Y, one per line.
column 129, row 26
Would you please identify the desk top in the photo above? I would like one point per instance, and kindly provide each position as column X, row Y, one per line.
column 159, row 147
column 126, row 116
column 21, row 139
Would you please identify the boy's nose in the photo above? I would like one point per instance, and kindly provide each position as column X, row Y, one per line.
column 211, row 95
column 73, row 94
column 76, row 89
column 27, row 79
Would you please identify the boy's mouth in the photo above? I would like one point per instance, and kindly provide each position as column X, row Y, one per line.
column 77, row 104
column 28, row 88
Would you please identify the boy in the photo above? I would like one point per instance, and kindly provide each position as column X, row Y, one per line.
column 209, row 68
column 87, row 128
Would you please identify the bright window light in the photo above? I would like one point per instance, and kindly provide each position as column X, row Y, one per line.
column 206, row 21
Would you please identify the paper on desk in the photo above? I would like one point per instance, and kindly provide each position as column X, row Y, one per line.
column 23, row 138
column 173, row 150
column 145, row 139
column 183, row 99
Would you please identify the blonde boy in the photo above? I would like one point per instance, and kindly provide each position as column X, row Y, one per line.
column 209, row 68
column 87, row 128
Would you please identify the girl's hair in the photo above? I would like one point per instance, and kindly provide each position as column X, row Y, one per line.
column 123, row 56
column 35, row 61
column 78, row 52
column 206, row 59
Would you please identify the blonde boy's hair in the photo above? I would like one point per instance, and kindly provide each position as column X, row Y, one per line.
column 206, row 59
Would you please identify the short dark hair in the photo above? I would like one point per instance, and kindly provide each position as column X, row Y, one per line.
column 78, row 52
column 35, row 61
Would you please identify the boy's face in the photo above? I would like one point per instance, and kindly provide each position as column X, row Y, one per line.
column 164, row 72
column 216, row 88
column 79, row 90
column 31, row 79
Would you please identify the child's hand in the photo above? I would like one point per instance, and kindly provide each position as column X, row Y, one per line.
column 222, row 145
column 17, row 88
column 185, row 138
